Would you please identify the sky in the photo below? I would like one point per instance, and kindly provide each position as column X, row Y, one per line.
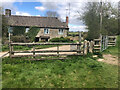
column 70, row 8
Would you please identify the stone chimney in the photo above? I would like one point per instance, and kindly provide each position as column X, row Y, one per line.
column 67, row 20
column 7, row 12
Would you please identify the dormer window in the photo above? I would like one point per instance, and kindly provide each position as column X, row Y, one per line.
column 61, row 31
column 46, row 31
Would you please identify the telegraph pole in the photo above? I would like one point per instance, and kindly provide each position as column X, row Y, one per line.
column 101, row 18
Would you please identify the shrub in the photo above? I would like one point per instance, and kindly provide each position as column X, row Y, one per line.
column 18, row 38
column 61, row 39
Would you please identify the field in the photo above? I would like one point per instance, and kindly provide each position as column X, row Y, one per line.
column 76, row 72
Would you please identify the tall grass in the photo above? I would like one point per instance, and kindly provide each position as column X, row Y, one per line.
column 77, row 72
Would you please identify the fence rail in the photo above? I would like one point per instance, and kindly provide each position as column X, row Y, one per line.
column 82, row 48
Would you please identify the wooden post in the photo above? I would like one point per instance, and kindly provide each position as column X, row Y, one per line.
column 58, row 50
column 10, row 49
column 85, row 47
column 91, row 47
column 33, row 51
column 88, row 46
column 79, row 46
column 100, row 43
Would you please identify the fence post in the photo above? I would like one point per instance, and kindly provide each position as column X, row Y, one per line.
column 79, row 46
column 88, row 46
column 58, row 50
column 33, row 51
column 10, row 49
column 91, row 47
column 100, row 43
column 85, row 47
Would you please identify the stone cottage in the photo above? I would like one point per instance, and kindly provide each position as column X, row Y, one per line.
column 50, row 27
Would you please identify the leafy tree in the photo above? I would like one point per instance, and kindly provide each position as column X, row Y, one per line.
column 91, row 18
column 33, row 31
column 4, row 27
column 18, row 30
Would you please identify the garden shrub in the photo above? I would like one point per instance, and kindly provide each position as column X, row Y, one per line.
column 18, row 38
column 61, row 39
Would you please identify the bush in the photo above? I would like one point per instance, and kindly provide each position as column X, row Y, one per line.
column 18, row 38
column 61, row 39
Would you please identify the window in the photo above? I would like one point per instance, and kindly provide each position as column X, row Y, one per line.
column 27, row 29
column 46, row 31
column 60, row 31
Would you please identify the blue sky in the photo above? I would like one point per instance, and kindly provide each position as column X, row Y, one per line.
column 29, row 7
column 39, row 8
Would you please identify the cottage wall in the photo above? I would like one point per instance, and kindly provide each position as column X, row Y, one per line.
column 53, row 33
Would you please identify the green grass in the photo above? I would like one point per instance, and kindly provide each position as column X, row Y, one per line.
column 113, row 50
column 77, row 72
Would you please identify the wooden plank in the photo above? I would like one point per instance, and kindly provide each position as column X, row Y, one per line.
column 25, row 44
column 96, row 48
column 46, row 55
column 97, row 39
column 47, row 59
column 47, row 51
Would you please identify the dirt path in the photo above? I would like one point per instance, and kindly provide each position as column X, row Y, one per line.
column 110, row 59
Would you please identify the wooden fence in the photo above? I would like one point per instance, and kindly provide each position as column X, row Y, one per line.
column 80, row 48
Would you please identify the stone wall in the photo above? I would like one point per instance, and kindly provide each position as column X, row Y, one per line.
column 53, row 33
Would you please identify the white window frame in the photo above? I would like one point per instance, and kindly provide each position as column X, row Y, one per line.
column 27, row 29
column 61, row 31
column 46, row 31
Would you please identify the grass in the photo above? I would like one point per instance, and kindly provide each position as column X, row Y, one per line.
column 77, row 72
column 113, row 50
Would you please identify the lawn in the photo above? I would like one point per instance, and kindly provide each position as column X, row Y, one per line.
column 113, row 50
column 77, row 72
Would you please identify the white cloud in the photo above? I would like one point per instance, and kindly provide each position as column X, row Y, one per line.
column 22, row 13
column 41, row 8
column 77, row 27
column 37, row 15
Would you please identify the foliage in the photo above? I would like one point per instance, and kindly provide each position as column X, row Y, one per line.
column 18, row 30
column 19, row 38
column 4, row 27
column 33, row 31
column 91, row 18
column 61, row 39
column 77, row 72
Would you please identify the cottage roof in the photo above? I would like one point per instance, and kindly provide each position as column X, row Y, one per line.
column 28, row 21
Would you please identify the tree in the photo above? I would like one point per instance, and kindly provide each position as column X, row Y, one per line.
column 51, row 14
column 18, row 30
column 91, row 18
column 33, row 31
column 4, row 25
